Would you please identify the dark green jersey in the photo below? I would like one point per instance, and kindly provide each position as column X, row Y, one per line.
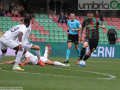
column 92, row 28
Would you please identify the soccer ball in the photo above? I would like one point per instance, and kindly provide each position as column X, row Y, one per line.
column 82, row 63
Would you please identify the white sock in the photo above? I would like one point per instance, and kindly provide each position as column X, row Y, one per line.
column 18, row 58
column 38, row 54
column 1, row 55
column 46, row 54
column 58, row 64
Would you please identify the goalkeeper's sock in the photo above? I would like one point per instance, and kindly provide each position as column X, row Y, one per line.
column 1, row 55
column 67, row 54
column 82, row 53
column 86, row 57
column 78, row 52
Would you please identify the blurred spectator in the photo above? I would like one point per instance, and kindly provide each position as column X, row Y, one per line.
column 23, row 13
column 6, row 8
column 58, row 7
column 29, row 10
column 52, row 6
column 97, row 15
column 15, row 12
column 65, row 6
column 21, row 7
column 11, row 7
column 18, row 8
column 61, row 18
column 1, row 11
column 66, row 18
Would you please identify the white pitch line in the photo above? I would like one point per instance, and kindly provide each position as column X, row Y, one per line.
column 110, row 76
column 39, row 73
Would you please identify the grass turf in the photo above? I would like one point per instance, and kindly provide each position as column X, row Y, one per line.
column 94, row 76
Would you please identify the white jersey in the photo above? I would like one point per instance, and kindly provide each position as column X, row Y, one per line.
column 33, row 59
column 13, row 33
column 28, row 33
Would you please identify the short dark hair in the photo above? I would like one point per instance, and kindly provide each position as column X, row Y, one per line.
column 26, row 20
column 72, row 13
column 31, row 16
column 90, row 12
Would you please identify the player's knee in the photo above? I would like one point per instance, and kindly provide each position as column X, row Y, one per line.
column 69, row 47
column 85, row 47
column 76, row 48
column 4, row 51
column 38, row 48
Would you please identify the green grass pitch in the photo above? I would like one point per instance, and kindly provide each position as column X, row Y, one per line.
column 98, row 74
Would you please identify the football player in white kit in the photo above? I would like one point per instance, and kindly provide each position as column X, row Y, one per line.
column 29, row 58
column 27, row 46
column 8, row 40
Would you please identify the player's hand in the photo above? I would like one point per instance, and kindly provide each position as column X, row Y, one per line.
column 67, row 33
column 72, row 29
column 20, row 47
column 100, row 26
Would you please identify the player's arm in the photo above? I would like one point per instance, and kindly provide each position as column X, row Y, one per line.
column 27, row 55
column 78, row 27
column 81, row 30
column 101, row 25
column 27, row 60
column 67, row 30
column 9, row 62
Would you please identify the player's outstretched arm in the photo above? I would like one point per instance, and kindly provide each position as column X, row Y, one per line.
column 9, row 62
column 102, row 26
column 27, row 60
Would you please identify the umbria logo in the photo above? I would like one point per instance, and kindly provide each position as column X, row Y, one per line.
column 98, row 4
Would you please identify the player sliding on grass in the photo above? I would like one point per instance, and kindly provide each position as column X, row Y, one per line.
column 92, row 35
column 73, row 29
column 29, row 58
column 8, row 40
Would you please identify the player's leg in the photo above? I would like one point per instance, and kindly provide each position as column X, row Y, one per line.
column 76, row 44
column 83, row 50
column 49, row 62
column 87, row 55
column 3, row 49
column 18, row 58
column 70, row 41
column 9, row 62
column 68, row 52
column 93, row 45
column 37, row 50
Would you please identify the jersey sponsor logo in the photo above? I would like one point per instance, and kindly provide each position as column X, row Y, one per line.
column 90, row 25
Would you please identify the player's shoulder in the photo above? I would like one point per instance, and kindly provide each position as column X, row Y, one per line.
column 77, row 21
column 69, row 21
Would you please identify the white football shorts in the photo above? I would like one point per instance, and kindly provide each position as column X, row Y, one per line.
column 7, row 42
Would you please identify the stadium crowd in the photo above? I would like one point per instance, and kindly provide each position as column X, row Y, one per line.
column 15, row 11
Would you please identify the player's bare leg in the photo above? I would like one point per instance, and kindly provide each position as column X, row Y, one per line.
column 18, row 58
column 68, row 52
column 3, row 53
column 37, row 50
column 78, row 50
column 87, row 55
column 85, row 45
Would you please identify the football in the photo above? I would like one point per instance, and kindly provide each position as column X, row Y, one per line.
column 82, row 63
